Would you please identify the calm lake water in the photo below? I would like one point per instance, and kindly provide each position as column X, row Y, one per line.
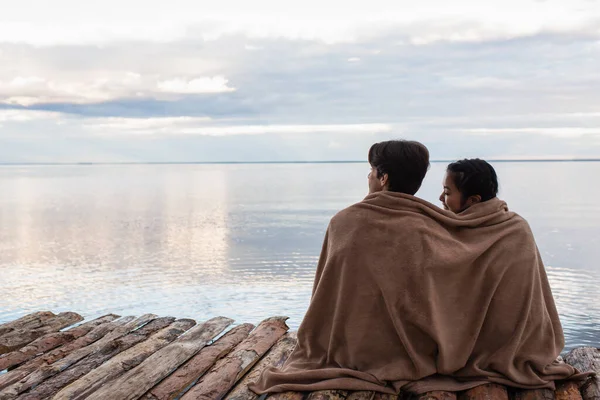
column 243, row 240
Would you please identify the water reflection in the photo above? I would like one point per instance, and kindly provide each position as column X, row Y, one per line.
column 241, row 240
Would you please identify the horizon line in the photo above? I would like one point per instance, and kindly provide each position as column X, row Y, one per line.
column 85, row 163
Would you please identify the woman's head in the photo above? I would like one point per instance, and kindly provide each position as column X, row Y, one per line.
column 398, row 166
column 468, row 182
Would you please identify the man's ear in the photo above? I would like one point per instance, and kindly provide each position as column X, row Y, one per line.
column 383, row 180
column 473, row 200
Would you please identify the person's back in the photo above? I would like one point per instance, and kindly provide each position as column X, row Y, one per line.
column 409, row 296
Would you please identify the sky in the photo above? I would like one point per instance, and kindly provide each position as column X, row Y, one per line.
column 266, row 80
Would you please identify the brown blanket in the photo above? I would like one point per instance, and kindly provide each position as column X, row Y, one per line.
column 409, row 296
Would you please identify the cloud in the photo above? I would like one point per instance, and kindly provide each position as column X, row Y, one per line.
column 284, row 129
column 533, row 94
column 216, row 84
column 30, row 90
column 27, row 115
column 333, row 21
column 568, row 131
column 481, row 82
column 206, row 126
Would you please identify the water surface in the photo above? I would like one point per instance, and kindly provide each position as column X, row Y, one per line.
column 243, row 240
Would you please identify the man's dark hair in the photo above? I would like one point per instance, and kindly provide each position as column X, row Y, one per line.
column 474, row 177
column 405, row 161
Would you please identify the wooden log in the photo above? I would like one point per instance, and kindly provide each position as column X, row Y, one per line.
column 436, row 395
column 60, row 352
column 276, row 357
column 489, row 391
column 111, row 350
column 50, row 341
column 286, row 396
column 537, row 394
column 155, row 368
column 226, row 372
column 587, row 359
column 385, row 396
column 123, row 362
column 96, row 322
column 30, row 321
column 567, row 391
column 361, row 395
column 45, row 372
column 18, row 338
column 175, row 384
column 328, row 395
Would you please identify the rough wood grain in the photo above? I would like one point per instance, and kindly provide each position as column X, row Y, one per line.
column 124, row 361
column 19, row 337
column 30, row 321
column 567, row 391
column 60, row 352
column 361, row 395
column 485, row 392
column 537, row 394
column 186, row 375
column 587, row 359
column 110, row 350
column 286, row 396
column 276, row 357
column 226, row 372
column 45, row 372
column 436, row 395
column 137, row 381
column 50, row 341
column 328, row 395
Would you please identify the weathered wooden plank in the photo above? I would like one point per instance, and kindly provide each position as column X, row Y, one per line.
column 124, row 361
column 567, row 391
column 137, row 381
column 361, row 395
column 436, row 395
column 287, row 396
column 537, row 394
column 30, row 321
column 385, row 396
column 328, row 395
column 226, row 372
column 60, row 352
column 18, row 338
column 50, row 341
column 587, row 359
column 276, row 357
column 45, row 372
column 110, row 350
column 485, row 392
column 186, row 375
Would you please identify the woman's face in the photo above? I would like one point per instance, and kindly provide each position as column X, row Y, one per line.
column 451, row 197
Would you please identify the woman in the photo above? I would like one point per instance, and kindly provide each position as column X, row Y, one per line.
column 468, row 182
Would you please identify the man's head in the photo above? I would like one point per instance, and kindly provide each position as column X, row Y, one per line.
column 397, row 166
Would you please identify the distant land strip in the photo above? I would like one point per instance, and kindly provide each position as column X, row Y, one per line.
column 279, row 162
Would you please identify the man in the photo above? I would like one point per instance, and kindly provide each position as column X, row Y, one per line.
column 408, row 296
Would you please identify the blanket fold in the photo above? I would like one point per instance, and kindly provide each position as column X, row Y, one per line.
column 409, row 296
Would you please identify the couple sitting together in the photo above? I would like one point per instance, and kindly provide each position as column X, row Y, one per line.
column 411, row 297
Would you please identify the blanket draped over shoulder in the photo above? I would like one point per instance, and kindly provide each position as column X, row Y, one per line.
column 408, row 296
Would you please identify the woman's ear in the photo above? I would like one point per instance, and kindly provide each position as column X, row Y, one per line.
column 473, row 200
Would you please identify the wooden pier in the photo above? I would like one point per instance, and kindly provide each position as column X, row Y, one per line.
column 55, row 356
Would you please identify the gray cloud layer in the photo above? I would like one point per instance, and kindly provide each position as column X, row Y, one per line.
column 527, row 96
